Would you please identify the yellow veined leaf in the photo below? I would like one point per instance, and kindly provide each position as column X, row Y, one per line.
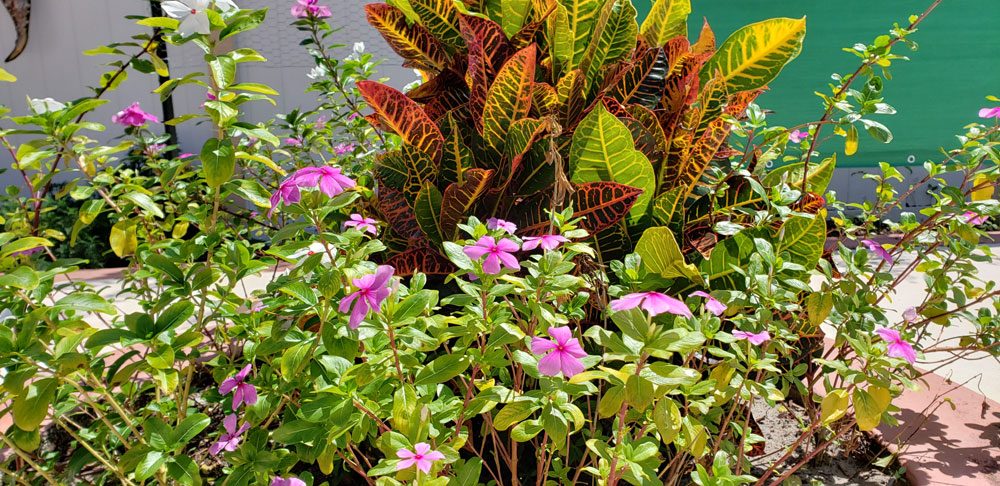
column 613, row 37
column 666, row 20
column 851, row 143
column 752, row 56
column 834, row 406
column 603, row 150
column 984, row 193
column 560, row 40
column 509, row 98
column 411, row 41
column 514, row 15
column 866, row 409
column 581, row 17
column 660, row 255
column 803, row 238
column 440, row 17
column 123, row 238
column 264, row 160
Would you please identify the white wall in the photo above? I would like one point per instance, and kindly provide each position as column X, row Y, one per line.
column 52, row 65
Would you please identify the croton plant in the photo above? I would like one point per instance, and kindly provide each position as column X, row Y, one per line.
column 530, row 106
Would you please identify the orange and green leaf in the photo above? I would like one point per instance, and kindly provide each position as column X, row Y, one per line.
column 509, row 98
column 424, row 260
column 440, row 17
column 459, row 199
column 403, row 116
column 413, row 42
column 601, row 204
column 666, row 20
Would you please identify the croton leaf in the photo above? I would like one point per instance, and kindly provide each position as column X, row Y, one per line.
column 569, row 91
column 740, row 194
column 509, row 98
column 706, row 41
column 602, row 204
column 561, row 40
column 427, row 209
column 514, row 14
column 753, row 55
column 403, row 116
column 630, row 80
column 691, row 168
column 660, row 255
column 730, row 254
column 411, row 41
column 648, row 119
column 523, row 135
column 613, row 242
column 816, row 181
column 456, row 156
column 738, row 103
column 712, row 100
column 459, row 199
column 488, row 49
column 406, row 170
column 614, row 36
column 446, row 91
column 581, row 18
column 544, row 100
column 666, row 20
column 424, row 260
column 803, row 238
column 440, row 17
column 811, row 203
column 603, row 150
column 398, row 213
column 667, row 208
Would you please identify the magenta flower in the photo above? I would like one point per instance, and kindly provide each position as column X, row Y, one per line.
column 372, row 290
column 878, row 250
column 755, row 339
column 352, row 116
column 564, row 353
column 258, row 306
column 547, row 242
column 343, row 148
column 28, row 252
column 184, row 156
column 712, row 304
column 497, row 223
column 975, row 219
column 898, row 348
column 653, row 302
column 362, row 224
column 279, row 481
column 229, row 440
column 910, row 314
column 288, row 192
column 329, row 179
column 498, row 251
column 295, row 142
column 990, row 112
column 133, row 116
column 422, row 456
column 797, row 137
column 209, row 96
column 154, row 149
column 244, row 392
column 308, row 8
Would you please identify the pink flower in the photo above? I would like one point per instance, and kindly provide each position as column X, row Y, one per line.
column 564, row 353
column 295, row 142
column 258, row 306
column 653, row 302
column 498, row 251
column 28, row 252
column 209, row 96
column 712, row 304
column 184, row 156
column 878, row 250
column 755, row 339
column 133, row 116
column 230, row 440
column 910, row 314
column 154, row 149
column 352, row 116
column 362, row 224
column 288, row 192
column 547, row 242
column 245, row 392
column 328, row 179
column 496, row 223
column 990, row 112
column 974, row 219
column 254, row 214
column 308, row 8
column 422, row 456
column 343, row 148
column 898, row 348
column 372, row 290
column 797, row 137
column 279, row 481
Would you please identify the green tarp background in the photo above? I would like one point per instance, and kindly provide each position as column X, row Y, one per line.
column 937, row 92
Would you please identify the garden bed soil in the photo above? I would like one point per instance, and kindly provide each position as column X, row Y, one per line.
column 838, row 465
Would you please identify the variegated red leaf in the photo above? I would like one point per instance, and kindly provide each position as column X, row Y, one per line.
column 602, row 204
column 509, row 98
column 459, row 199
column 400, row 216
column 424, row 260
column 413, row 42
column 403, row 116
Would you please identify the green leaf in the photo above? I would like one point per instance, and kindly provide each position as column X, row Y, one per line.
column 161, row 357
column 243, row 22
column 441, row 369
column 753, row 56
column 867, row 410
column 188, row 429
column 611, row 401
column 803, row 237
column 84, row 302
column 32, row 404
column 123, row 238
column 666, row 20
column 166, row 266
column 223, row 70
column 182, row 469
column 218, row 161
column 21, row 277
column 638, row 392
column 877, row 130
column 667, row 418
column 513, row 413
column 145, row 202
column 149, row 465
column 21, row 244
column 302, row 292
column 660, row 255
column 581, row 17
column 6, row 76
column 817, row 180
column 603, row 150
column 614, row 36
column 250, row 190
column 292, row 359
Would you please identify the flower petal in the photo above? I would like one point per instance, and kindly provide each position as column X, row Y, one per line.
column 540, row 345
column 492, row 264
column 571, row 366
column 421, row 448
column 229, row 423
column 550, row 364
column 562, row 334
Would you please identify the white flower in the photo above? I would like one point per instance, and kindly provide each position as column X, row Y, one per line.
column 6, row 315
column 195, row 20
column 226, row 5
column 45, row 105
column 359, row 49
column 317, row 72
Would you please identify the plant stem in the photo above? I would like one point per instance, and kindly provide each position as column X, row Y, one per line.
column 27, row 459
